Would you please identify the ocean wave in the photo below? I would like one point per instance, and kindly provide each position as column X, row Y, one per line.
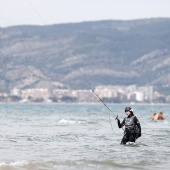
column 13, row 165
column 24, row 165
column 63, row 165
column 65, row 121
column 108, row 164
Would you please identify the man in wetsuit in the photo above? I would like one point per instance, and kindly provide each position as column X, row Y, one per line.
column 132, row 127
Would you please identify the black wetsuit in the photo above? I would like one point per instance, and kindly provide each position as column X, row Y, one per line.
column 132, row 125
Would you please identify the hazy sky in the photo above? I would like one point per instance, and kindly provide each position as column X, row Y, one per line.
column 42, row 12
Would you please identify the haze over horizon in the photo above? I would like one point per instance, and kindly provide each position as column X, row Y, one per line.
column 29, row 12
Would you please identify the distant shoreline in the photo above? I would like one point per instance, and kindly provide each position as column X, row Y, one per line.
column 81, row 103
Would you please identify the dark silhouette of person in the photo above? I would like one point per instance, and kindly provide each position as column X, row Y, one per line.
column 132, row 127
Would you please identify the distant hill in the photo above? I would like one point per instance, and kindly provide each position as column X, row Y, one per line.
column 83, row 55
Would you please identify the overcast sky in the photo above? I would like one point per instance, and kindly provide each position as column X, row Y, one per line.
column 43, row 12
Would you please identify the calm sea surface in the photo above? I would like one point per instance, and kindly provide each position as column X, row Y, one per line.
column 80, row 137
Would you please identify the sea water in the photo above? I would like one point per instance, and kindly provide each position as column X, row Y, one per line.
column 80, row 137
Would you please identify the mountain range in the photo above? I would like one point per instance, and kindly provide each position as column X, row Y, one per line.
column 87, row 54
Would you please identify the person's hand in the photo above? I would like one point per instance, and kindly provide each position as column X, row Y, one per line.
column 117, row 118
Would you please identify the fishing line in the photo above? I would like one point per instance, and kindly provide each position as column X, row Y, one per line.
column 39, row 16
column 4, row 19
column 107, row 108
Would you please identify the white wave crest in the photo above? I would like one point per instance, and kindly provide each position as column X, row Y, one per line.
column 65, row 121
column 14, row 164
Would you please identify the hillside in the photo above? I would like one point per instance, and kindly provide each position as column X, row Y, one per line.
column 83, row 55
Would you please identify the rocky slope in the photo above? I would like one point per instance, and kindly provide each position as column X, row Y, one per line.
column 83, row 55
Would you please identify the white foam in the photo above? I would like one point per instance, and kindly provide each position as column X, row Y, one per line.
column 14, row 164
column 165, row 122
column 130, row 143
column 64, row 121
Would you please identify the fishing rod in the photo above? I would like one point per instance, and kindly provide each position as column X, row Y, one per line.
column 106, row 107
